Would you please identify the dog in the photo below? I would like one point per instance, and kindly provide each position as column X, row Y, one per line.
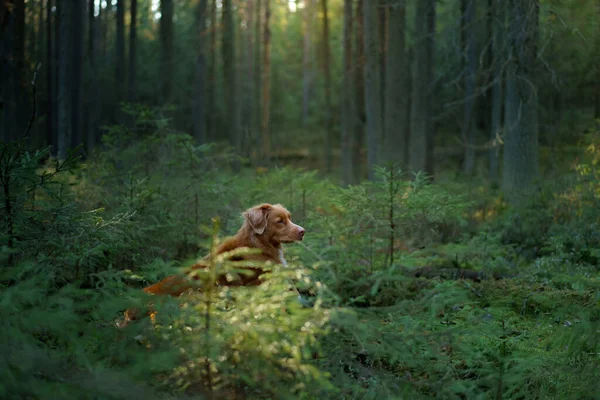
column 266, row 227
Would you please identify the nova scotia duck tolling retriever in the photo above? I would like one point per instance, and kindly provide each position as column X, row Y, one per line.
column 265, row 228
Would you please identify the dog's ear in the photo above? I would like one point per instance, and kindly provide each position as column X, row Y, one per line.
column 257, row 217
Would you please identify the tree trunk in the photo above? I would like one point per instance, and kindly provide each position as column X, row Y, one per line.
column 230, row 81
column 521, row 116
column 64, row 100
column 348, row 113
column 307, row 62
column 22, row 110
column 597, row 108
column 120, row 56
column 421, row 131
column 212, row 92
column 396, row 94
column 7, row 74
column 132, row 70
column 93, row 102
column 372, row 84
column 50, row 88
column 470, row 68
column 328, row 106
column 76, row 75
column 359, row 93
column 382, row 8
column 199, row 103
column 266, row 85
column 498, row 51
column 166, row 45
column 257, row 110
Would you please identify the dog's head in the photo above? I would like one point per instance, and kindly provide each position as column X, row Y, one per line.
column 274, row 223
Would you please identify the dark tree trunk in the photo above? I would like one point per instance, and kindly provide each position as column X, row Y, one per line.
column 347, row 109
column 230, row 81
column 470, row 68
column 76, row 75
column 50, row 88
column 132, row 70
column 266, row 85
column 257, row 110
column 199, row 103
column 328, row 106
column 396, row 94
column 166, row 46
column 498, row 51
column 359, row 93
column 421, row 131
column 120, row 56
column 64, row 71
column 212, row 86
column 372, row 84
column 307, row 62
column 521, row 116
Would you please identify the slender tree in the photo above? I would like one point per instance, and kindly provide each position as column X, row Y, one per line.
column 470, row 72
column 266, row 84
column 64, row 61
column 396, row 93
column 132, row 70
column 521, row 113
column 597, row 108
column 328, row 106
column 359, row 92
column 372, row 84
column 212, row 85
column 50, row 72
column 498, row 18
column 421, row 129
column 166, row 46
column 199, row 102
column 307, row 62
column 76, row 74
column 230, row 75
column 120, row 56
column 93, row 100
column 257, row 110
column 347, row 109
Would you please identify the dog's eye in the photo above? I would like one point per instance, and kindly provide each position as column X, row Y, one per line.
column 281, row 221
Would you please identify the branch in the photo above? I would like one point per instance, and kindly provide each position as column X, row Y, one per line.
column 33, row 112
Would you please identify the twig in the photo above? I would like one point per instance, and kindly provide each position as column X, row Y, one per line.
column 33, row 112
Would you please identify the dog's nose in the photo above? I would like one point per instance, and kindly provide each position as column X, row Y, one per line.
column 301, row 232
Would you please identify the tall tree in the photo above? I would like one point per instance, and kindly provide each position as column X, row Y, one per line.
column 7, row 72
column 132, row 70
column 230, row 77
column 93, row 100
column 372, row 83
column 421, row 128
column 120, row 57
column 307, row 62
column 212, row 84
column 396, row 93
column 498, row 51
column 521, row 113
column 76, row 74
column 266, row 84
column 64, row 61
column 348, row 113
column 597, row 108
column 166, row 46
column 359, row 92
column 257, row 110
column 50, row 72
column 199, row 103
column 470, row 70
column 328, row 106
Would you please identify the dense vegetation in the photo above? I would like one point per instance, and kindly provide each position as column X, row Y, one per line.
column 425, row 274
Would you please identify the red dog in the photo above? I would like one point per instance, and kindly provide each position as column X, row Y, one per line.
column 265, row 228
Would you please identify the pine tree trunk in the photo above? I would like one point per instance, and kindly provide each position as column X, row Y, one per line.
column 521, row 116
column 64, row 99
column 307, row 62
column 199, row 104
column 328, row 107
column 348, row 113
column 470, row 68
column 212, row 86
column 166, row 44
column 76, row 75
column 359, row 93
column 266, row 85
column 421, row 131
column 132, row 70
column 498, row 7
column 597, row 108
column 93, row 102
column 396, row 94
column 372, row 84
column 120, row 56
column 50, row 88
column 230, row 81
column 257, row 110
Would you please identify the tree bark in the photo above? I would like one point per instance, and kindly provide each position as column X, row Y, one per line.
column 359, row 93
column 64, row 100
column 257, row 110
column 229, row 69
column 93, row 102
column 347, row 110
column 266, row 85
column 372, row 84
column 521, row 116
column 498, row 51
column 50, row 88
column 307, row 62
column 212, row 93
column 76, row 75
column 421, row 131
column 470, row 68
column 132, row 70
column 166, row 44
column 396, row 94
column 328, row 107
column 120, row 56
column 597, row 108
column 199, row 103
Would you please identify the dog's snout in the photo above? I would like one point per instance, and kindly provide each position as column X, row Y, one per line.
column 301, row 232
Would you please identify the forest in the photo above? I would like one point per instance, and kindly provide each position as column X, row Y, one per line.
column 442, row 157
